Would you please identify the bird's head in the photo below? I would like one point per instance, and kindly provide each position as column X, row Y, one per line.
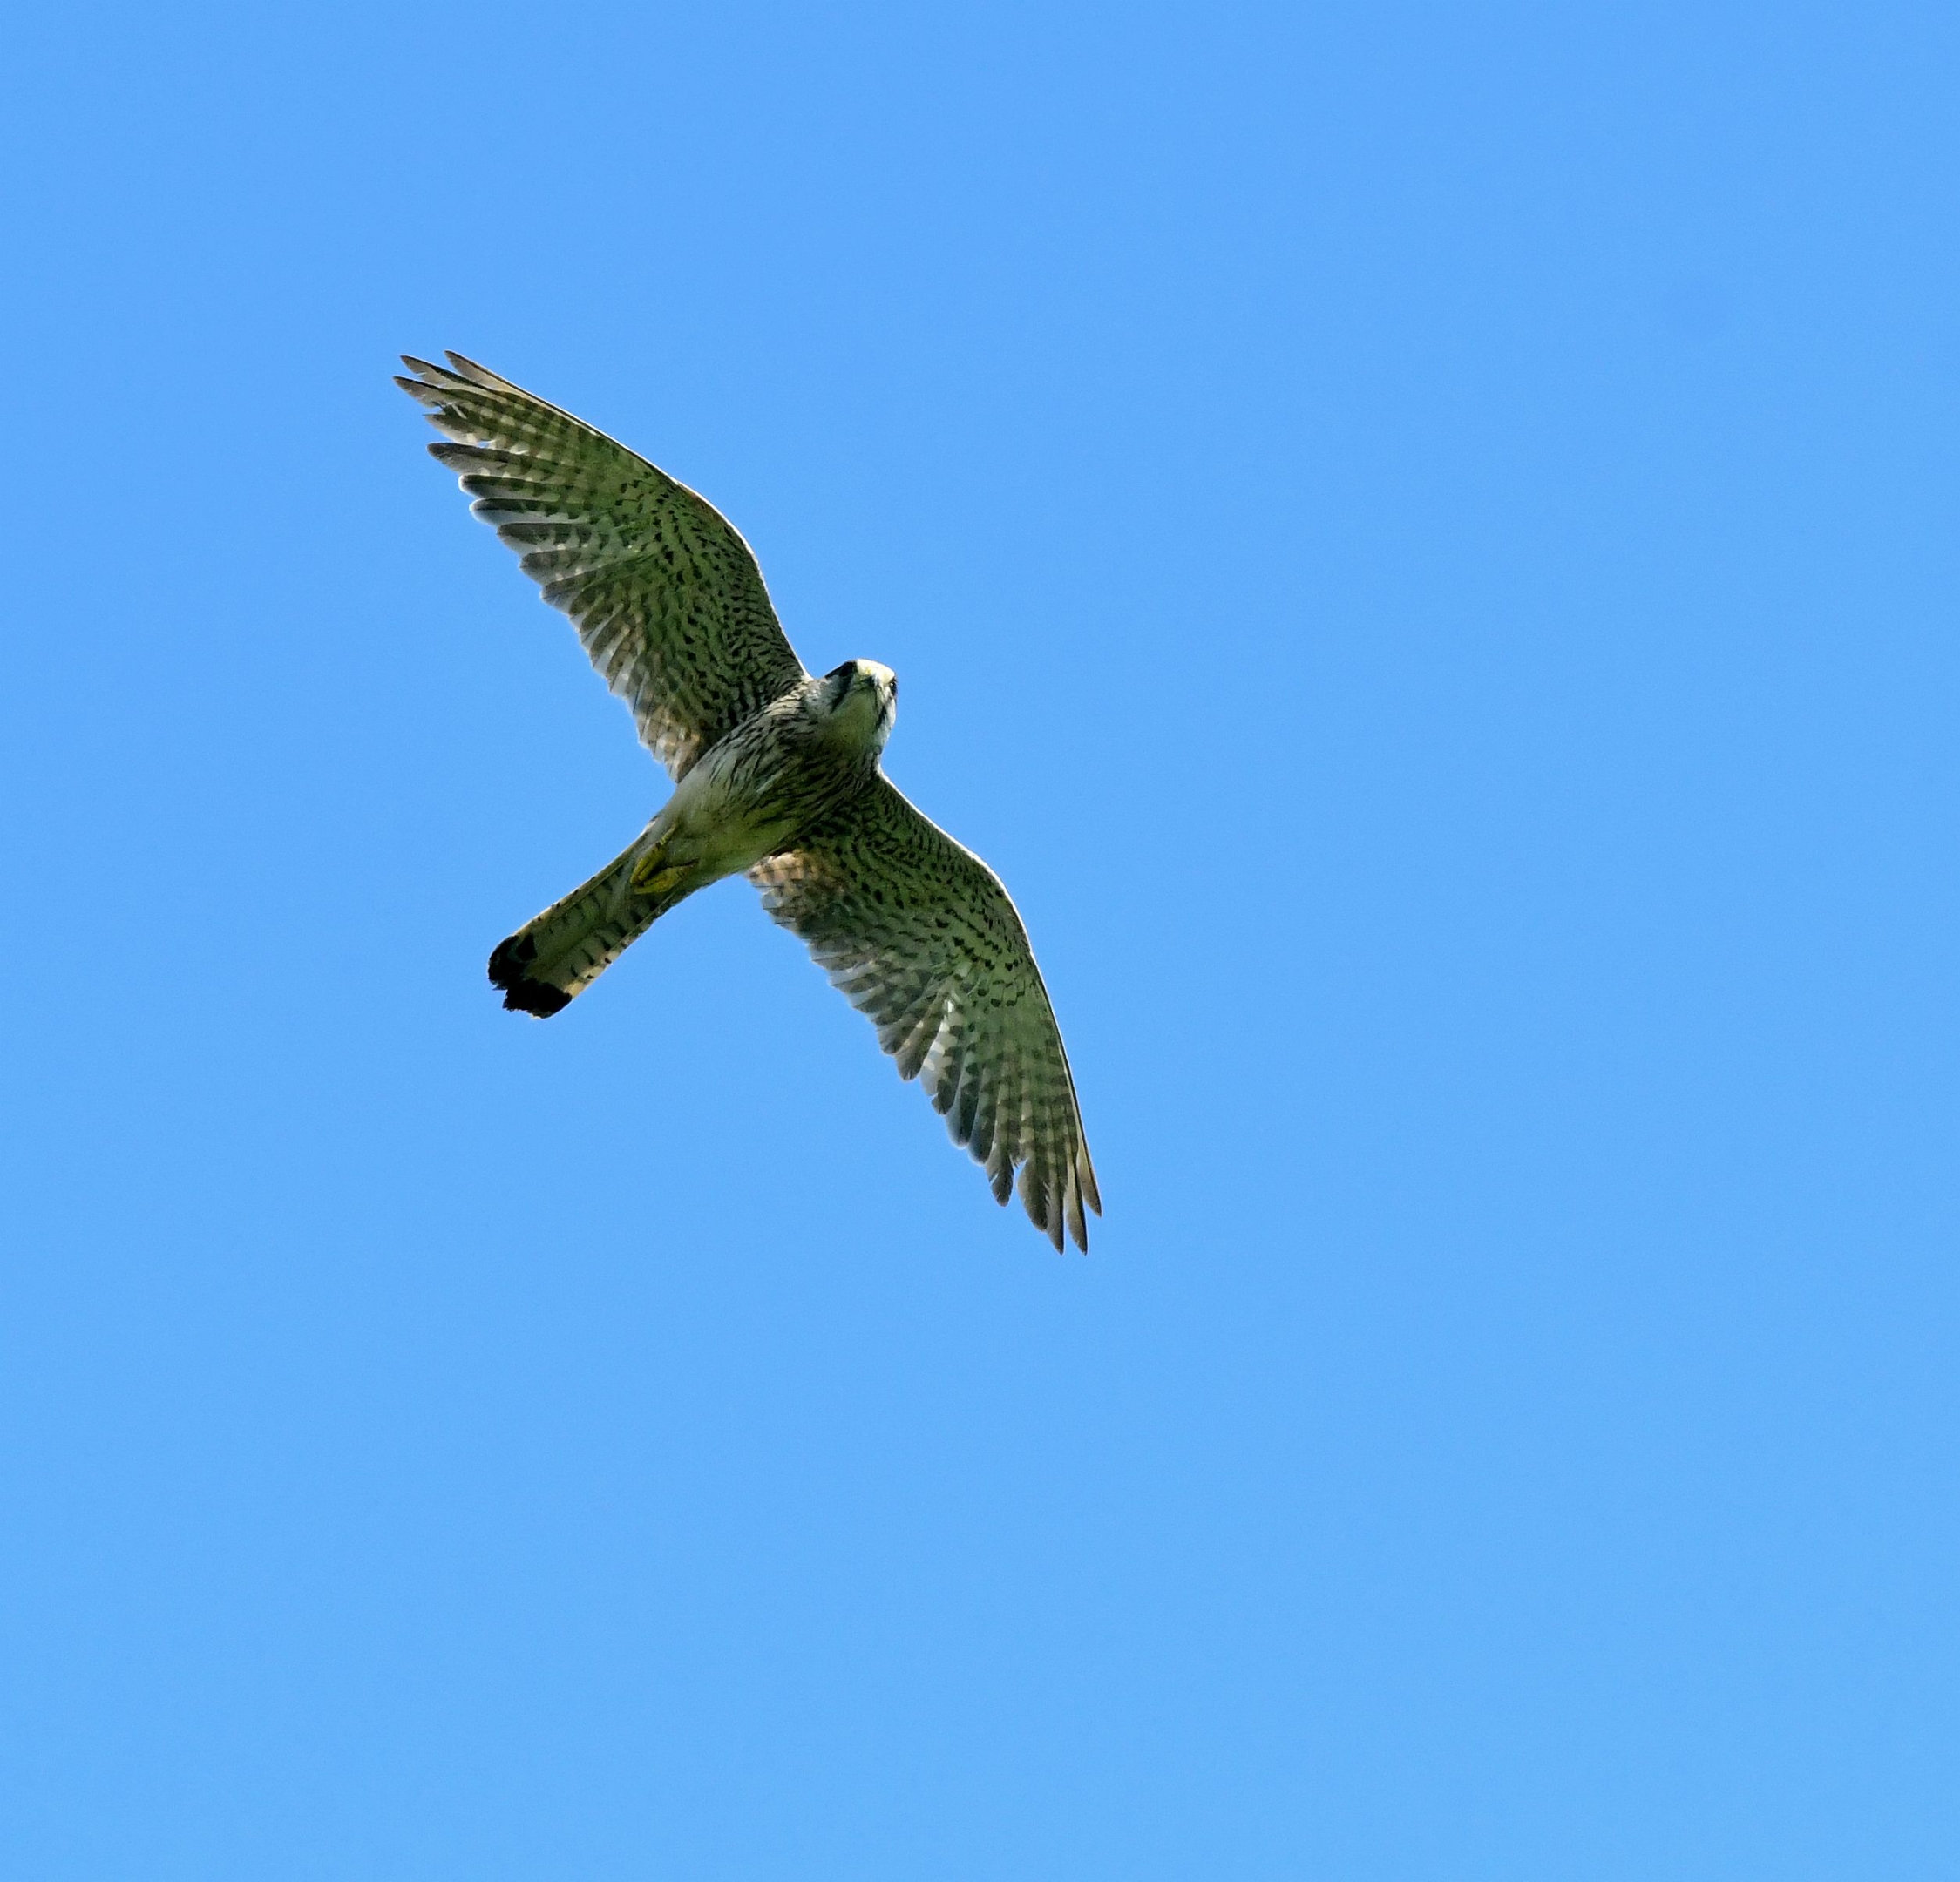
column 861, row 699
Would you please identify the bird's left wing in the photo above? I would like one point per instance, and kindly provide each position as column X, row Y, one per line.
column 666, row 596
column 919, row 934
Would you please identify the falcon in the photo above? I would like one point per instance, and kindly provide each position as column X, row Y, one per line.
column 776, row 776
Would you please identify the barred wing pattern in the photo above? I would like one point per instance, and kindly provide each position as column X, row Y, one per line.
column 666, row 596
column 919, row 935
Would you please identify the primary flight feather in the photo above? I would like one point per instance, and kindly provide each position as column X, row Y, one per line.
column 776, row 774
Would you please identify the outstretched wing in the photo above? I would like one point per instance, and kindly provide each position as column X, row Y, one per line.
column 666, row 596
column 920, row 936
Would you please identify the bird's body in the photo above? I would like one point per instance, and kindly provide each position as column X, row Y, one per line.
column 803, row 756
column 778, row 776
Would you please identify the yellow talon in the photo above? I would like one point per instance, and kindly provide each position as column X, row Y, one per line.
column 649, row 878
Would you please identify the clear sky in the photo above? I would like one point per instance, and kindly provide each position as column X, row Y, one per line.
column 1420, row 541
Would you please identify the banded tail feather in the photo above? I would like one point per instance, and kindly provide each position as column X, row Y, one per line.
column 556, row 956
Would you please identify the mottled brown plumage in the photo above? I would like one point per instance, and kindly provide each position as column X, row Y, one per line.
column 777, row 775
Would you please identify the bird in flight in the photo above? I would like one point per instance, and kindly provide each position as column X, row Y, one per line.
column 775, row 775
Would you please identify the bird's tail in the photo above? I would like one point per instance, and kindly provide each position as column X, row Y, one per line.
column 554, row 957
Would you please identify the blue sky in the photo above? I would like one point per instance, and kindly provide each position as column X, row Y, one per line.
column 1420, row 542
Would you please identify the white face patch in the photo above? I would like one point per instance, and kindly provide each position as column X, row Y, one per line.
column 866, row 704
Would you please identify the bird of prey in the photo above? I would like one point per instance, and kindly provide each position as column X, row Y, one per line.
column 776, row 774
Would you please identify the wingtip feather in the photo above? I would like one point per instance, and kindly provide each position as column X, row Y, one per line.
column 1071, row 1199
column 481, row 376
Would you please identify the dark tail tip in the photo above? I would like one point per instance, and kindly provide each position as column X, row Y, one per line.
column 521, row 994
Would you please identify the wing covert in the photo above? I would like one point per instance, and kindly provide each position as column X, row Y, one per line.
column 665, row 594
column 919, row 935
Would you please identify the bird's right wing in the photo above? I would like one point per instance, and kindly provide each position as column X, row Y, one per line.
column 666, row 596
column 919, row 936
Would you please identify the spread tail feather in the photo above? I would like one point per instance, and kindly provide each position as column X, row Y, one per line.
column 554, row 957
